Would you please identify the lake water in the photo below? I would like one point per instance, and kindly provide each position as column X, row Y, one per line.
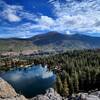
column 30, row 81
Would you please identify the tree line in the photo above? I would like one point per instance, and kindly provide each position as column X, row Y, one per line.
column 76, row 71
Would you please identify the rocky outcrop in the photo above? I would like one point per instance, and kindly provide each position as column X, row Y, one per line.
column 8, row 93
column 86, row 96
column 91, row 96
column 51, row 94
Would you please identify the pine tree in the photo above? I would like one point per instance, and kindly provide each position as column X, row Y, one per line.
column 76, row 82
column 71, row 87
column 59, row 85
column 65, row 88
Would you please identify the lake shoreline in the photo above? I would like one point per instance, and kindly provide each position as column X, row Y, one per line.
column 25, row 80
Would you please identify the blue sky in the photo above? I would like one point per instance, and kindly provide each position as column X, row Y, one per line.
column 25, row 18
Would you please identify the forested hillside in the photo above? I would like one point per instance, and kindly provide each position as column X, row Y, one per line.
column 76, row 70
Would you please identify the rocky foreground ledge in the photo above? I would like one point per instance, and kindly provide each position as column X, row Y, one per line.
column 8, row 93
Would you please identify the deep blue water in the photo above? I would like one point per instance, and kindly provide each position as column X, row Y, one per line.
column 30, row 81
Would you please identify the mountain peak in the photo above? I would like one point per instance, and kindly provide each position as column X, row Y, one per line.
column 53, row 32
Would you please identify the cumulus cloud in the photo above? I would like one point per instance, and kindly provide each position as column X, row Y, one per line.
column 10, row 12
column 45, row 20
column 11, row 17
column 15, row 13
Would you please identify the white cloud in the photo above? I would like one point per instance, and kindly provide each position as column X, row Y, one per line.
column 15, row 13
column 70, row 16
column 77, row 16
column 12, row 17
column 45, row 20
column 9, row 12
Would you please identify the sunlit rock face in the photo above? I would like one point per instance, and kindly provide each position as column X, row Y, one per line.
column 6, row 90
column 50, row 94
column 30, row 81
column 8, row 93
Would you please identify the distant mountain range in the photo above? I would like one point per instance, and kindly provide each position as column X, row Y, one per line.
column 50, row 41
